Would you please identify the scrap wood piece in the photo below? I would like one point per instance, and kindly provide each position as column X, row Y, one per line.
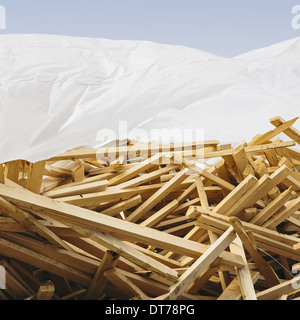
column 206, row 174
column 128, row 252
column 97, row 286
column 233, row 290
column 272, row 207
column 265, row 269
column 251, row 150
column 78, row 171
column 30, row 223
column 146, row 177
column 122, row 206
column 287, row 287
column 261, row 139
column 46, row 291
column 258, row 191
column 206, row 259
column 158, row 216
column 82, row 262
column 204, row 277
column 135, row 170
column 291, row 132
column 124, row 284
column 243, row 274
column 54, row 171
column 241, row 161
column 289, row 209
column 38, row 260
column 2, row 177
column 64, row 212
column 265, row 238
column 157, row 196
column 78, row 189
column 235, row 195
column 35, row 176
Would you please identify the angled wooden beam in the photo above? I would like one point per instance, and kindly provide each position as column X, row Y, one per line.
column 272, row 207
column 20, row 253
column 265, row 269
column 30, row 223
column 207, row 258
column 280, row 216
column 46, row 291
column 146, row 177
column 79, row 189
column 2, row 179
column 158, row 216
column 291, row 132
column 35, row 176
column 66, row 213
column 122, row 206
column 210, row 176
column 134, row 171
column 287, row 287
column 97, row 286
column 124, row 284
column 157, row 196
column 261, row 139
column 243, row 274
column 127, row 252
column 233, row 290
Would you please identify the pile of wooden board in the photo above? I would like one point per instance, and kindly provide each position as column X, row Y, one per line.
column 145, row 221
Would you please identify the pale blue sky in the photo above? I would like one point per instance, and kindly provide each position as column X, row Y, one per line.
column 223, row 27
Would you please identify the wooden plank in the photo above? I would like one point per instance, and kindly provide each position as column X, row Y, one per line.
column 241, row 160
column 279, row 217
column 35, row 176
column 243, row 274
column 287, row 287
column 122, row 206
column 261, row 139
column 201, row 193
column 206, row 174
column 31, row 224
column 157, row 196
column 38, row 260
column 2, row 173
column 97, row 286
column 64, row 212
column 78, row 171
column 258, row 191
column 127, row 252
column 146, row 177
column 233, row 290
column 235, row 195
column 265, row 269
column 135, row 170
column 158, row 216
column 207, row 258
column 291, row 132
column 272, row 207
column 46, row 291
column 79, row 189
column 124, row 284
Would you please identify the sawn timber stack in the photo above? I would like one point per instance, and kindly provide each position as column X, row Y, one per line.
column 146, row 221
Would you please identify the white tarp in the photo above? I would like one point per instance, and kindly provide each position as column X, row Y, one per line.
column 57, row 92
